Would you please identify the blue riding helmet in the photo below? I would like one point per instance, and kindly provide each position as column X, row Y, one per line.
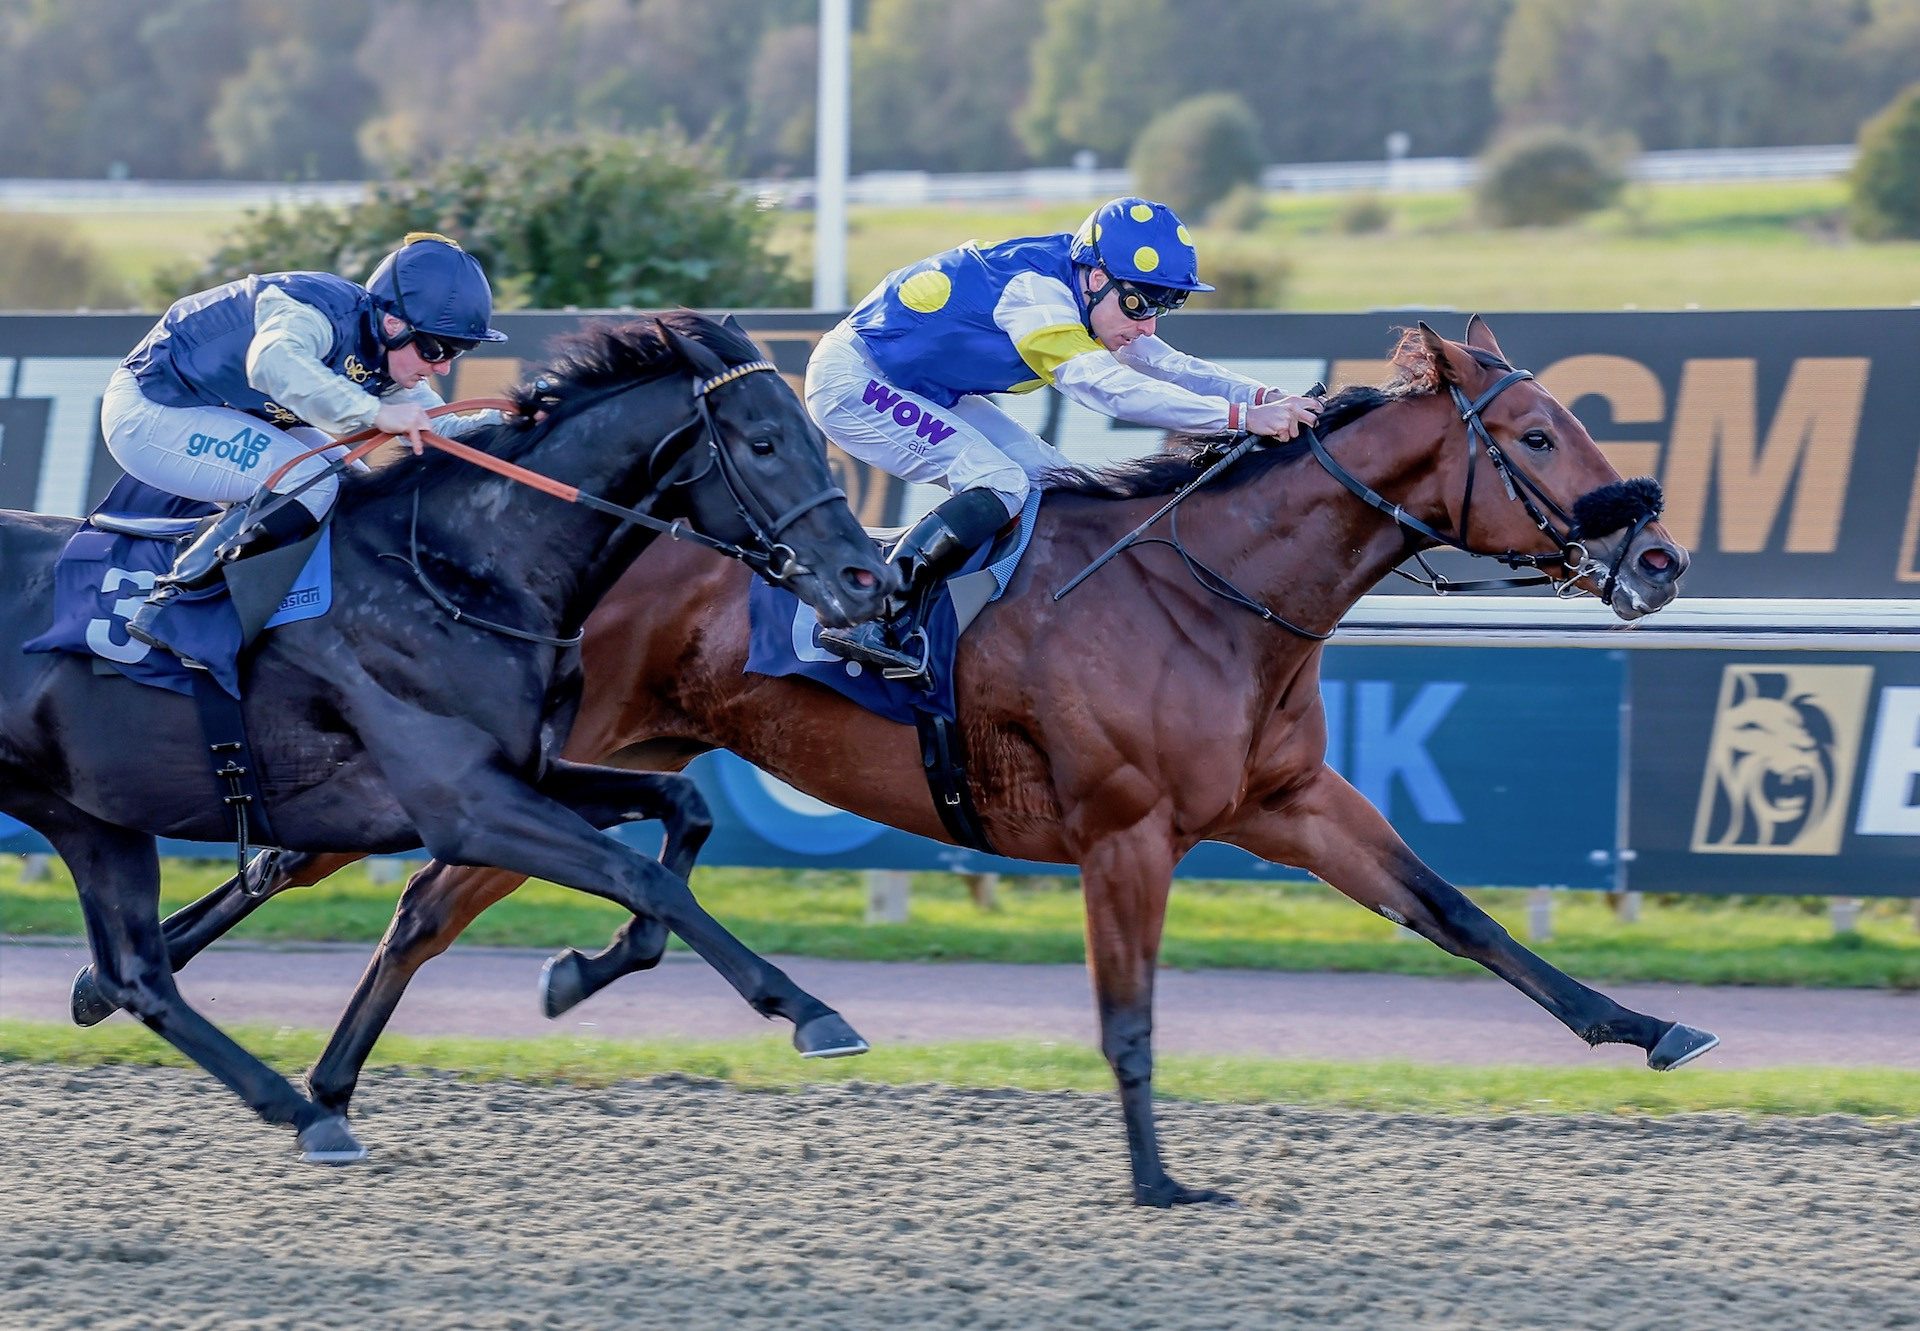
column 436, row 288
column 1141, row 244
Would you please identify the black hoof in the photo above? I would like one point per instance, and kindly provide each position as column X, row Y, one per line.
column 828, row 1036
column 562, row 985
column 90, row 1007
column 328, row 1141
column 1166, row 1193
column 1679, row 1046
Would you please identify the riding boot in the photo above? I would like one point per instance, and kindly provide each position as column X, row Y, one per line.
column 936, row 545
column 235, row 534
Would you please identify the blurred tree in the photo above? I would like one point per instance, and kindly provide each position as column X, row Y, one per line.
column 936, row 85
column 590, row 219
column 780, row 100
column 1886, row 178
column 1100, row 73
column 1546, row 176
column 295, row 108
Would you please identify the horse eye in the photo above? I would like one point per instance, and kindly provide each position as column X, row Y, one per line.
column 1538, row 440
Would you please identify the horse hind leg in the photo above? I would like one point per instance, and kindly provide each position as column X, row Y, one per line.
column 572, row 976
column 1331, row 830
column 192, row 928
column 117, row 875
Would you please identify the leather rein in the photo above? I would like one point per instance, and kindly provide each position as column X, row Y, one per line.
column 766, row 554
column 1571, row 557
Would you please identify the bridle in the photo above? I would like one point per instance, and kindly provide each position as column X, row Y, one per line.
column 765, row 553
column 1571, row 557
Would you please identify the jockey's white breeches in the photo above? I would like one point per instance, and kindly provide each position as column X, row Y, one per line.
column 209, row 453
column 969, row 446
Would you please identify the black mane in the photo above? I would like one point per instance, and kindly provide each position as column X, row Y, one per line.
column 582, row 364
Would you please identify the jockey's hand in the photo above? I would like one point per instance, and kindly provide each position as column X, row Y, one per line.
column 404, row 418
column 1282, row 418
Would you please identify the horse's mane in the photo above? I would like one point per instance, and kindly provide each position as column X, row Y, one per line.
column 583, row 363
column 1414, row 375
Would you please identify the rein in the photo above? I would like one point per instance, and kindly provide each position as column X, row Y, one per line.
column 1572, row 556
column 768, row 555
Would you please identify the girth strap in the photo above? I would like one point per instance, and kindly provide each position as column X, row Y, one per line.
column 234, row 765
column 945, row 762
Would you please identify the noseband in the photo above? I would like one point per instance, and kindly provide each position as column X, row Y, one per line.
column 768, row 556
column 1563, row 529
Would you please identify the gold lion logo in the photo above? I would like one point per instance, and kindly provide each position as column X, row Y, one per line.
column 1780, row 765
column 356, row 370
column 278, row 414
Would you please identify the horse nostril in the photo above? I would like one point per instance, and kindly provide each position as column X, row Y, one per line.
column 1659, row 563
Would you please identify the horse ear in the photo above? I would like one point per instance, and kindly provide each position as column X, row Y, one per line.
column 700, row 358
column 1480, row 335
column 1448, row 363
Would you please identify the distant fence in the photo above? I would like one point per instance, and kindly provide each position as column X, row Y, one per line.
column 1765, row 747
column 909, row 188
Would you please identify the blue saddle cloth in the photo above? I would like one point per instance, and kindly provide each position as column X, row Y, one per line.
column 102, row 577
column 785, row 637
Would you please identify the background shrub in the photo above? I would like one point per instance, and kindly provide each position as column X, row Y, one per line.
column 44, row 268
column 1886, row 177
column 1546, row 177
column 1194, row 153
column 590, row 220
column 1248, row 273
column 1363, row 215
column 1242, row 208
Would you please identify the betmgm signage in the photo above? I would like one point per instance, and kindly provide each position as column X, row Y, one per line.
column 1795, row 775
column 1785, row 440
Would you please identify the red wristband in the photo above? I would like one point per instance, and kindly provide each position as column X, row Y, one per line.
column 1236, row 417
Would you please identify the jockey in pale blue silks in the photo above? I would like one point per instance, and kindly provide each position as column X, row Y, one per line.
column 901, row 382
column 237, row 381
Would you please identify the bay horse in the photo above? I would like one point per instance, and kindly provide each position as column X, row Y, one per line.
column 428, row 710
column 1117, row 728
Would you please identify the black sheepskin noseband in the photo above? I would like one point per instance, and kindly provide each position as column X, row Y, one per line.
column 1616, row 506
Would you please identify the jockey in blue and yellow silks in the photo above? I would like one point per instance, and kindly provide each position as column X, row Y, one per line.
column 238, row 380
column 901, row 382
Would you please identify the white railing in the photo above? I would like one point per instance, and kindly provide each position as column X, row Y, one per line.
column 905, row 189
column 1536, row 621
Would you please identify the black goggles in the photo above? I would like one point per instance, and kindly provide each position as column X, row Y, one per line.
column 438, row 348
column 1141, row 302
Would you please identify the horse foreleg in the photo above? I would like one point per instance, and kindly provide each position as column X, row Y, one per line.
column 674, row 800
column 1329, row 829
column 439, row 902
column 116, row 873
column 193, row 927
column 1125, row 880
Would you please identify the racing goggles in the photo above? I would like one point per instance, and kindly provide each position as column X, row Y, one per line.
column 438, row 348
column 1141, row 302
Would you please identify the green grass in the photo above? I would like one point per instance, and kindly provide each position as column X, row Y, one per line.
column 1274, row 926
column 1038, row 1066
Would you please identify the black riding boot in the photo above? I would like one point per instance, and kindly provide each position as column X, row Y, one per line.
column 234, row 535
column 936, row 545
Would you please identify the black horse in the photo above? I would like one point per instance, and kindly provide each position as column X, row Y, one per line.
column 393, row 723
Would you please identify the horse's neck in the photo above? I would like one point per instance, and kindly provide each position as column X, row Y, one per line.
column 1309, row 549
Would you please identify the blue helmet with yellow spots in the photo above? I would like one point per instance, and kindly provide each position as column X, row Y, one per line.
column 1141, row 243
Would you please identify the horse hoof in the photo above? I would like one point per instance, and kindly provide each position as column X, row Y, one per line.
column 1167, row 1193
column 828, row 1036
column 328, row 1141
column 561, row 983
column 1679, row 1046
column 90, row 1007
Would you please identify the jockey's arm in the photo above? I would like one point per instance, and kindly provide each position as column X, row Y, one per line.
column 1042, row 318
column 1156, row 357
column 286, row 361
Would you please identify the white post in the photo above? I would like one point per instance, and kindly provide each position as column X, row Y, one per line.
column 1626, row 907
column 830, row 154
column 1540, row 915
column 1845, row 914
column 887, row 892
column 381, row 870
column 38, row 867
